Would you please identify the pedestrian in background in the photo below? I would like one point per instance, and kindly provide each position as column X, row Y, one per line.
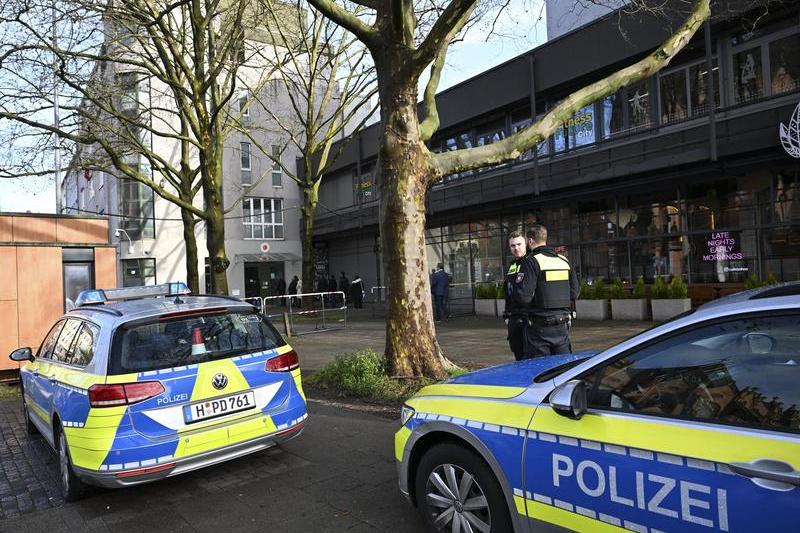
column 357, row 292
column 333, row 299
column 292, row 290
column 440, row 284
column 344, row 286
column 281, row 288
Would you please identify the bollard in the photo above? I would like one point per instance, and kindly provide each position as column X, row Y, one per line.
column 286, row 324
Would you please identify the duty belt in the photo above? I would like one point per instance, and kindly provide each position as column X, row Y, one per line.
column 551, row 320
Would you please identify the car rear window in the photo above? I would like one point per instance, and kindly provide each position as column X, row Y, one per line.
column 187, row 340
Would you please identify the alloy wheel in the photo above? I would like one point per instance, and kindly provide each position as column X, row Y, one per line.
column 456, row 501
column 63, row 463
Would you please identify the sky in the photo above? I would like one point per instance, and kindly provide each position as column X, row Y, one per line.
column 520, row 28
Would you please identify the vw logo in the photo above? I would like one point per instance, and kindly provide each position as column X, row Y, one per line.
column 219, row 381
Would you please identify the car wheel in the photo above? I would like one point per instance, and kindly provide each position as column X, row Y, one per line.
column 457, row 491
column 30, row 429
column 72, row 488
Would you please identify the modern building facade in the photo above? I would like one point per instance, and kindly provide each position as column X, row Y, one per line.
column 652, row 181
column 264, row 201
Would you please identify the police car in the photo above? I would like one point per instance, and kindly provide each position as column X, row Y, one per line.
column 692, row 426
column 156, row 384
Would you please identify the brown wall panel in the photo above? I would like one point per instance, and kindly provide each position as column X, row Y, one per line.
column 6, row 234
column 8, row 273
column 105, row 268
column 9, row 338
column 40, row 290
column 34, row 229
column 82, row 230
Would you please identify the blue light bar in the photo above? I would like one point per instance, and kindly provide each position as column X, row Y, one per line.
column 99, row 296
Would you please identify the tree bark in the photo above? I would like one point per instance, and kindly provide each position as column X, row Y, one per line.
column 411, row 345
column 215, row 222
column 310, row 199
column 190, row 241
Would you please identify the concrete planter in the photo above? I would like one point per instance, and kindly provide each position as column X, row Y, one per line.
column 485, row 308
column 629, row 309
column 592, row 309
column 500, row 305
column 666, row 309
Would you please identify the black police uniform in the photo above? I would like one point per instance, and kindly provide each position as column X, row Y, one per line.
column 539, row 290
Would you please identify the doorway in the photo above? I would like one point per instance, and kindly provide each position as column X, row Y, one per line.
column 262, row 279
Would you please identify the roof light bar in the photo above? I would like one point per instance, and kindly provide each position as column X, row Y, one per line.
column 100, row 296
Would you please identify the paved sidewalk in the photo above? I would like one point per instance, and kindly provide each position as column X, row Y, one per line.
column 476, row 341
column 330, row 479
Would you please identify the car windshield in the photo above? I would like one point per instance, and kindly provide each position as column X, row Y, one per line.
column 187, row 340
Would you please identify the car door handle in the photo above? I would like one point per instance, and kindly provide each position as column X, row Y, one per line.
column 35, row 374
column 769, row 469
column 52, row 380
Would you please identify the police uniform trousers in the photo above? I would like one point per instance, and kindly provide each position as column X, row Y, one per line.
column 529, row 338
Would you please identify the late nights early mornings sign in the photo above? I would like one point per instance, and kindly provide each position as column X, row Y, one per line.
column 722, row 246
column 790, row 135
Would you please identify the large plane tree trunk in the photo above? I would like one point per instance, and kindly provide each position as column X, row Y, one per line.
column 411, row 345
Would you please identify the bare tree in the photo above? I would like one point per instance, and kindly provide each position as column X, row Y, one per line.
column 406, row 37
column 144, row 91
column 327, row 80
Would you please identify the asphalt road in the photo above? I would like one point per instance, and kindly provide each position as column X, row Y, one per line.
column 337, row 476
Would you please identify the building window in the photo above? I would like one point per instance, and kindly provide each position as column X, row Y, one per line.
column 244, row 154
column 674, row 97
column 263, row 218
column 784, row 64
column 138, row 272
column 639, row 105
column 747, row 76
column 244, row 108
column 128, row 92
column 613, row 115
column 698, row 87
column 136, row 208
column 580, row 127
column 277, row 171
column 365, row 188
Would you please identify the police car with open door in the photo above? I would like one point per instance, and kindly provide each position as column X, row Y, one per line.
column 691, row 426
column 142, row 383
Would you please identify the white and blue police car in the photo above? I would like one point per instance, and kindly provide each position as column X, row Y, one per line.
column 141, row 383
column 691, row 426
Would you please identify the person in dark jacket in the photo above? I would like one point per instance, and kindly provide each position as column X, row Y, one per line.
column 357, row 292
column 281, row 288
column 440, row 284
column 333, row 299
column 293, row 288
column 344, row 286
column 540, row 291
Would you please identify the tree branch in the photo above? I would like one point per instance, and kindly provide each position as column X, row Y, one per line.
column 366, row 34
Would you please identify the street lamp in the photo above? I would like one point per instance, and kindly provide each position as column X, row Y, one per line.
column 130, row 242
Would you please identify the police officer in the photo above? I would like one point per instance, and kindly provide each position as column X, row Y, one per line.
column 516, row 313
column 544, row 286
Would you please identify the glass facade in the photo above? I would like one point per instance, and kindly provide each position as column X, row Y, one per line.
column 716, row 231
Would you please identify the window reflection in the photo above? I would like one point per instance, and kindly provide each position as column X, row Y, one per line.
column 674, row 105
column 639, row 105
column 748, row 82
column 784, row 64
column 698, row 87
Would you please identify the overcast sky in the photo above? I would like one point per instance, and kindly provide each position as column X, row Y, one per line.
column 521, row 27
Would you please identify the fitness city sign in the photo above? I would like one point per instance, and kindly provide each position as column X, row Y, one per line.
column 790, row 136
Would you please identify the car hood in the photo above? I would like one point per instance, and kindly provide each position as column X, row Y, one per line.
column 518, row 373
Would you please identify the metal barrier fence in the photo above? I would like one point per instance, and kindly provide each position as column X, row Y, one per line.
column 311, row 312
column 460, row 300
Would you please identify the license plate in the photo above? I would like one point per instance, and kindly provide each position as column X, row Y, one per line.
column 219, row 407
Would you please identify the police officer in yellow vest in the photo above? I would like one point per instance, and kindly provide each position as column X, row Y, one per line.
column 540, row 288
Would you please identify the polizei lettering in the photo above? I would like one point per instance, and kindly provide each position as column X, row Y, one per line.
column 699, row 504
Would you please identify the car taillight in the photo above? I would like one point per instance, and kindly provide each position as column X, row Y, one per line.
column 123, row 393
column 283, row 363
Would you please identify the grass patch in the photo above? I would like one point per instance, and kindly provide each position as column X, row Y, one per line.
column 9, row 390
column 365, row 374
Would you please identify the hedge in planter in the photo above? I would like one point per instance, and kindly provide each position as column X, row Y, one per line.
column 485, row 299
column 592, row 303
column 669, row 300
column 627, row 306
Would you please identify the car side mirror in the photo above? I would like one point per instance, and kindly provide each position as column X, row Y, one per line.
column 21, row 354
column 570, row 399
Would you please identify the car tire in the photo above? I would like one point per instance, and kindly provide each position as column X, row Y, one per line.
column 30, row 428
column 72, row 488
column 444, row 494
